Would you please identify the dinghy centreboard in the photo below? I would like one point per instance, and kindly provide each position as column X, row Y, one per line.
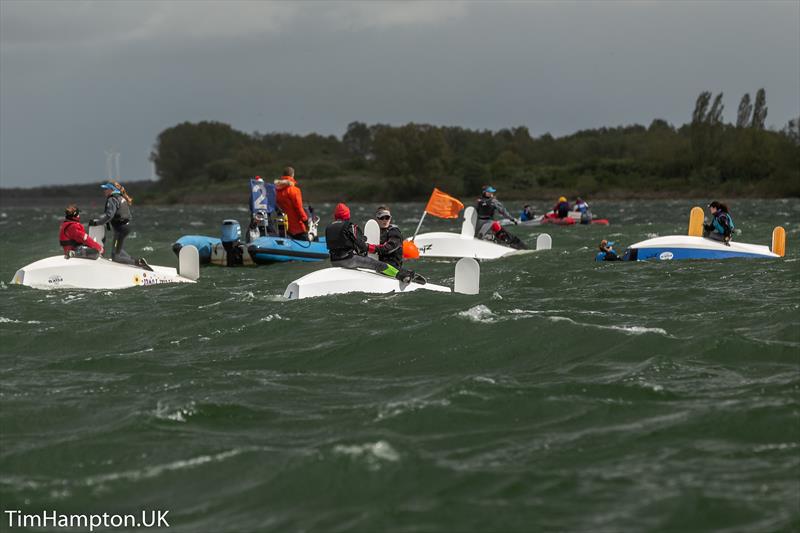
column 465, row 244
column 59, row 272
column 695, row 246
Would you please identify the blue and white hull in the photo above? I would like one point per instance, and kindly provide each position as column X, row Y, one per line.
column 263, row 250
column 280, row 249
column 676, row 247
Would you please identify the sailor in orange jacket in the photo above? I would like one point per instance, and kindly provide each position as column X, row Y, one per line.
column 290, row 201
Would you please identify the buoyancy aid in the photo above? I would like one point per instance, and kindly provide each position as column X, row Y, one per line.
column 339, row 243
column 721, row 220
column 485, row 208
column 65, row 240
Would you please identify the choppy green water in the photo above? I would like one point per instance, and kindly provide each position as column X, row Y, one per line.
column 568, row 395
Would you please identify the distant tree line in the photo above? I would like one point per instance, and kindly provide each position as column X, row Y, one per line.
column 405, row 162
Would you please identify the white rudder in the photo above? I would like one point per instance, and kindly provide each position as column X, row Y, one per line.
column 468, row 276
column 189, row 263
column 544, row 242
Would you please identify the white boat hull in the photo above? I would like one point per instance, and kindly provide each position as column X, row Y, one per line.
column 675, row 247
column 336, row 280
column 57, row 272
column 443, row 244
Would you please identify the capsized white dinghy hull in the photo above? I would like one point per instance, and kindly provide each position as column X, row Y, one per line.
column 336, row 280
column 58, row 272
column 465, row 244
column 676, row 247
column 443, row 244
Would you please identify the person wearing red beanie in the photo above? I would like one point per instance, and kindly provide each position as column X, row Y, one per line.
column 348, row 248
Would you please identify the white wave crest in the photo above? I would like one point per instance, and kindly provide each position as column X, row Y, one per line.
column 479, row 313
column 372, row 452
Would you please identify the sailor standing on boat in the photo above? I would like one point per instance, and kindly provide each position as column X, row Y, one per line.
column 118, row 215
column 290, row 201
column 348, row 248
column 486, row 207
column 390, row 250
column 74, row 239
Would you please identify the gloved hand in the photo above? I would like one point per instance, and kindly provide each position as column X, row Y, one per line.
column 371, row 248
column 726, row 240
column 516, row 221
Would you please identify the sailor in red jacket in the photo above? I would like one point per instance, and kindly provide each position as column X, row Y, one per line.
column 290, row 201
column 74, row 239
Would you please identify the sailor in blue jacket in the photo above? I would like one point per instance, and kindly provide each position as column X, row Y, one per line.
column 721, row 226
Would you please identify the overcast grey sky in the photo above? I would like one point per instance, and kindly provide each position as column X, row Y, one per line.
column 78, row 78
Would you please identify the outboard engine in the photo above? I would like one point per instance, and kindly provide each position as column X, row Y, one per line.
column 231, row 241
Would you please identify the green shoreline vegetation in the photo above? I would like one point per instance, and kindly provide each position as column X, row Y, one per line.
column 207, row 162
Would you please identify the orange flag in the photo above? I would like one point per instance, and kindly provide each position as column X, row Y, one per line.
column 443, row 205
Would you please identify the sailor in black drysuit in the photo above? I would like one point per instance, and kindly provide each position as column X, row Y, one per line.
column 117, row 215
column 486, row 207
column 348, row 248
column 390, row 250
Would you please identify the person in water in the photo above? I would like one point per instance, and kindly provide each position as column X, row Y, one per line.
column 348, row 248
column 526, row 213
column 117, row 215
column 390, row 250
column 561, row 209
column 74, row 239
column 290, row 201
column 721, row 226
column 607, row 252
column 487, row 206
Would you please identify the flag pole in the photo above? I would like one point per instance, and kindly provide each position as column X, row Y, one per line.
column 419, row 225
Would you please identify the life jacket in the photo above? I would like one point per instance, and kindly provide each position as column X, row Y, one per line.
column 394, row 256
column 718, row 224
column 339, row 246
column 485, row 208
column 123, row 214
column 65, row 241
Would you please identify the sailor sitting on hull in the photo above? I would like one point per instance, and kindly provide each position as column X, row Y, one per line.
column 74, row 239
column 486, row 208
column 348, row 248
column 721, row 226
column 390, row 250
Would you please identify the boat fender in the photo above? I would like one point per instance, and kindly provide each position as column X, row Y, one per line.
column 189, row 263
column 468, row 276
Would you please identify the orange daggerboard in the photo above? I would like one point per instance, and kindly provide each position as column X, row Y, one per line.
column 443, row 205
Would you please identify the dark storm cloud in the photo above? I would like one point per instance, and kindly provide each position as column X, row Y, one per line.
column 79, row 78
